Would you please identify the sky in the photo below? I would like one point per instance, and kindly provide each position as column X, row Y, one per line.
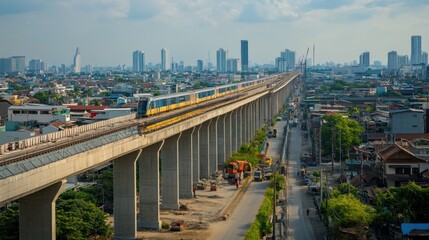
column 108, row 31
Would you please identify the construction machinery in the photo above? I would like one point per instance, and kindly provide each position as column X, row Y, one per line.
column 241, row 167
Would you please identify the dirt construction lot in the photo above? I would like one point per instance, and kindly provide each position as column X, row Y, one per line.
column 198, row 214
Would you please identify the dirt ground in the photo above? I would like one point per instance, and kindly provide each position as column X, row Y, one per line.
column 197, row 214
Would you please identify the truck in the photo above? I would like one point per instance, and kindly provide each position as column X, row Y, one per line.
column 240, row 167
column 258, row 176
column 268, row 172
column 268, row 161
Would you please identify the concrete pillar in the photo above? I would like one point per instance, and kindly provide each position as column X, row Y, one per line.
column 248, row 122
column 37, row 213
column 213, row 151
column 205, row 149
column 234, row 130
column 239, row 127
column 259, row 115
column 244, row 125
column 221, row 148
column 170, row 173
column 124, row 196
column 253, row 122
column 186, row 164
column 149, row 187
column 228, row 136
column 196, row 154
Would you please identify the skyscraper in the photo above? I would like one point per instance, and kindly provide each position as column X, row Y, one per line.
column 221, row 56
column 392, row 60
column 165, row 59
column 244, row 55
column 424, row 58
column 139, row 61
column 37, row 65
column 76, row 61
column 233, row 65
column 364, row 59
column 416, row 49
column 200, row 65
column 289, row 57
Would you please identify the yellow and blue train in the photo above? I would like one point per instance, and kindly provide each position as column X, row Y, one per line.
column 152, row 105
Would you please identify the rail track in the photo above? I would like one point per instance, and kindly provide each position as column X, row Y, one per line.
column 144, row 126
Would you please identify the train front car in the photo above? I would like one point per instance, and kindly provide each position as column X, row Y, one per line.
column 144, row 103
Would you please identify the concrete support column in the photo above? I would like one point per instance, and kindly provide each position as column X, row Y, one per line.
column 196, row 154
column 37, row 213
column 170, row 173
column 221, row 148
column 213, row 151
column 240, row 127
column 124, row 196
column 267, row 109
column 248, row 122
column 186, row 164
column 228, row 136
column 244, row 125
column 148, row 217
column 258, row 114
column 205, row 149
column 252, row 135
column 234, row 130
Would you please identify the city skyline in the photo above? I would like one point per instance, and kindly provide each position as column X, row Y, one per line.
column 105, row 30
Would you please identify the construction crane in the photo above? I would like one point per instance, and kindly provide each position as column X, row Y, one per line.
column 303, row 64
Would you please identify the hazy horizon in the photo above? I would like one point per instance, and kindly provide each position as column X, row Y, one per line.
column 108, row 31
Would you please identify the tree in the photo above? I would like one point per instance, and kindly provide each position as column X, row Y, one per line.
column 346, row 211
column 402, row 204
column 42, row 97
column 339, row 125
column 80, row 219
column 9, row 223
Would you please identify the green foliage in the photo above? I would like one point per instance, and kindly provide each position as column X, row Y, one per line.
column 249, row 151
column 262, row 225
column 352, row 110
column 71, row 194
column 42, row 97
column 370, row 108
column 165, row 225
column 9, row 223
column 79, row 219
column 402, row 204
column 345, row 188
column 348, row 211
column 337, row 124
column 280, row 182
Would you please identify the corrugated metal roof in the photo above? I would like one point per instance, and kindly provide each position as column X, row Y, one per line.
column 29, row 164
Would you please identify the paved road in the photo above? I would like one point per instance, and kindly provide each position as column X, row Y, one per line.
column 245, row 213
column 299, row 226
column 243, row 216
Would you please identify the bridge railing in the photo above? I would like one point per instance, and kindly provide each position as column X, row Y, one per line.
column 30, row 142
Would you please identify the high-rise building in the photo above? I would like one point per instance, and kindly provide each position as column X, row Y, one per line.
column 392, row 60
column 403, row 60
column 221, row 56
column 289, row 57
column 37, row 66
column 200, row 66
column 139, row 64
column 165, row 59
column 12, row 64
column 281, row 64
column 233, row 65
column 364, row 59
column 416, row 49
column 76, row 61
column 244, row 55
column 425, row 58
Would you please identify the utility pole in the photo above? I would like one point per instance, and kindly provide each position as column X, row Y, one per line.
column 274, row 205
column 332, row 148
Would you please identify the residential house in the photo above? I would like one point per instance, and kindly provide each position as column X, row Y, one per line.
column 407, row 121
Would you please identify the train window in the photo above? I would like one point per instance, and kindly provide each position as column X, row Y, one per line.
column 152, row 104
column 164, row 102
column 172, row 101
column 182, row 99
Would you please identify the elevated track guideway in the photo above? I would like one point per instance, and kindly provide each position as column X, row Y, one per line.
column 144, row 126
column 34, row 170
